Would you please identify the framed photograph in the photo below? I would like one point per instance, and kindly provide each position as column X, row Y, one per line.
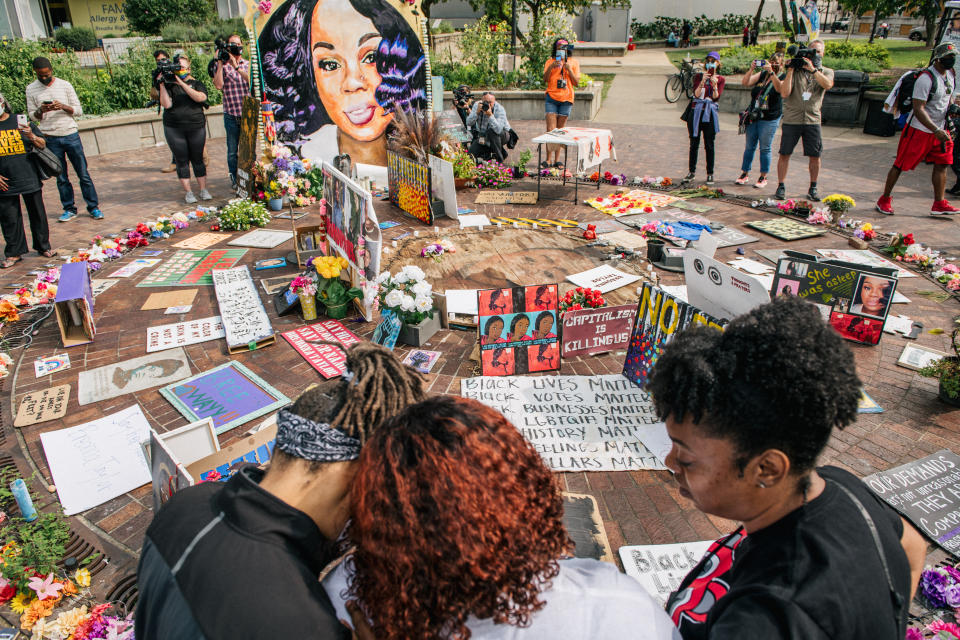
column 916, row 357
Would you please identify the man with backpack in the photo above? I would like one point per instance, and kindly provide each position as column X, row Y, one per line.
column 928, row 93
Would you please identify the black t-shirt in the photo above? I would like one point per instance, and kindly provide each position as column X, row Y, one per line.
column 15, row 165
column 772, row 107
column 814, row 574
column 185, row 112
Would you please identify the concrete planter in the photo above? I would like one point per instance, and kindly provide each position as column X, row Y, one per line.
column 528, row 104
column 138, row 130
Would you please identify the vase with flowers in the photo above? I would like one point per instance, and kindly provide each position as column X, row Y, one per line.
column 334, row 293
column 306, row 290
column 410, row 297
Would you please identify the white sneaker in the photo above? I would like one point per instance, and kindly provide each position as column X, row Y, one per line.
column 205, row 195
column 190, row 198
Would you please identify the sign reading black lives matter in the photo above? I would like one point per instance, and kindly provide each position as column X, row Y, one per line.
column 579, row 423
column 927, row 492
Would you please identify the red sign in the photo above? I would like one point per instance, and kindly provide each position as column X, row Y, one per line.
column 590, row 331
column 327, row 359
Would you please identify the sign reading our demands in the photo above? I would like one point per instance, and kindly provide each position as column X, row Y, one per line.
column 590, row 331
column 579, row 423
column 927, row 492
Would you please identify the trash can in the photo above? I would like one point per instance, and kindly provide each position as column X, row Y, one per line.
column 878, row 121
column 841, row 104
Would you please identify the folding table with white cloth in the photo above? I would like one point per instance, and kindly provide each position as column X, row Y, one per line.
column 593, row 146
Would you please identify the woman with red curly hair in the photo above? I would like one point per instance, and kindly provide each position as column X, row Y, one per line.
column 458, row 533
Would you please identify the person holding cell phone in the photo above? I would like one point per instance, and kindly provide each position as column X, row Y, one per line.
column 766, row 108
column 561, row 74
column 702, row 114
column 19, row 179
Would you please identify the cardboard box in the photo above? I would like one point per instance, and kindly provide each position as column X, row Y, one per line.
column 73, row 305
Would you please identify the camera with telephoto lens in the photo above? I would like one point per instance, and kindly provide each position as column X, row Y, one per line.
column 223, row 51
column 796, row 62
column 167, row 70
column 484, row 107
column 462, row 96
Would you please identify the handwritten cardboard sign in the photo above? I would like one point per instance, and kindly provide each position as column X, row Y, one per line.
column 180, row 334
column 244, row 318
column 507, row 197
column 329, row 360
column 660, row 568
column 200, row 241
column 590, row 331
column 42, row 406
column 579, row 423
column 604, row 278
column 927, row 492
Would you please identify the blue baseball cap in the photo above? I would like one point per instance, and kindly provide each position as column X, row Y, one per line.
column 714, row 55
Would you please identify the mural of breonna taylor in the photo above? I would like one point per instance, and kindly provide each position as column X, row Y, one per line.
column 337, row 70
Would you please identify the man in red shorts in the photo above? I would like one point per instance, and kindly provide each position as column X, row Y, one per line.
column 924, row 139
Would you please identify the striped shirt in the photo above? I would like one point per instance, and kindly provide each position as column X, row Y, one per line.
column 54, row 123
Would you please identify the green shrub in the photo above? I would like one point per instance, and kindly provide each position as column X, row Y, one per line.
column 76, row 38
column 151, row 16
column 443, row 27
column 183, row 32
column 729, row 24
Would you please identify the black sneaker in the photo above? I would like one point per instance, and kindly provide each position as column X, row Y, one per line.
column 689, row 177
column 954, row 190
column 813, row 195
column 709, row 178
column 781, row 193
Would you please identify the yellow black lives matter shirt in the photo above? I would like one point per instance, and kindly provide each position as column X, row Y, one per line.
column 15, row 164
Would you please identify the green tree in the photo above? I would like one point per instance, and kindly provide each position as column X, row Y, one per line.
column 930, row 11
column 881, row 9
column 756, row 18
column 150, row 16
column 787, row 26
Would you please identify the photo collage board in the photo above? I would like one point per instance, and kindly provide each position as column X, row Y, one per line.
column 518, row 330
column 352, row 227
column 853, row 298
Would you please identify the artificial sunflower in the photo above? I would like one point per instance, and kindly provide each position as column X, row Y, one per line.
column 21, row 602
column 82, row 577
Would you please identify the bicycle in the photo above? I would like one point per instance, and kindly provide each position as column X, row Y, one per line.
column 682, row 81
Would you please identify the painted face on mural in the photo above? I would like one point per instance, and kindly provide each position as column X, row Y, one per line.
column 344, row 47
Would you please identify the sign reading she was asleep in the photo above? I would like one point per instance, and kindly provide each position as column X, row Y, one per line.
column 579, row 423
column 590, row 331
column 927, row 492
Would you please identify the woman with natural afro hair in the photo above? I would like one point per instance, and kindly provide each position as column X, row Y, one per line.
column 749, row 411
column 458, row 533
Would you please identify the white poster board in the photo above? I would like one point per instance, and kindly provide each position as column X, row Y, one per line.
column 244, row 319
column 720, row 290
column 604, row 278
column 442, row 185
column 131, row 268
column 660, row 568
column 180, row 334
column 579, row 423
column 262, row 238
column 130, row 376
column 98, row 460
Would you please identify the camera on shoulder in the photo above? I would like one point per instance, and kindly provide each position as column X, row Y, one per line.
column 462, row 96
column 167, row 70
column 809, row 54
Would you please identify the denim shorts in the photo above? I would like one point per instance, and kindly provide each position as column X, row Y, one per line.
column 559, row 108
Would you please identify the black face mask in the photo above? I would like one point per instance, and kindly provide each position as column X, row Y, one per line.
column 46, row 81
column 236, row 49
column 948, row 62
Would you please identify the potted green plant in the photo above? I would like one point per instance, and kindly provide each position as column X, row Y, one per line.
column 410, row 297
column 947, row 371
column 464, row 166
column 333, row 292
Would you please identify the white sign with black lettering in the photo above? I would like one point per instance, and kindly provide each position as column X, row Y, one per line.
column 579, row 423
column 660, row 568
column 244, row 319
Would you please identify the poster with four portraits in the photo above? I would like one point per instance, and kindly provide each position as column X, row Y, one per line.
column 853, row 298
column 518, row 330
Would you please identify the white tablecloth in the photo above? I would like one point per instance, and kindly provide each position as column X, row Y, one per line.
column 593, row 145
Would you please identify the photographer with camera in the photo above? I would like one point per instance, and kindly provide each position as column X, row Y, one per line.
column 164, row 64
column 762, row 117
column 702, row 114
column 184, row 124
column 561, row 74
column 462, row 101
column 802, row 90
column 488, row 123
column 231, row 74
column 925, row 138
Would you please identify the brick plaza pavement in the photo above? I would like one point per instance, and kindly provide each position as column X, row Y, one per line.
column 637, row 507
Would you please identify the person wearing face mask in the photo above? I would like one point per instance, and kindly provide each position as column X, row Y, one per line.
column 233, row 78
column 767, row 104
column 185, row 126
column 53, row 104
column 924, row 138
column 702, row 114
column 490, row 127
column 19, row 179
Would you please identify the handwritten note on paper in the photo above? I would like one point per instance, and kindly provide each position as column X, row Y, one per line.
column 605, row 278
column 131, row 268
column 244, row 319
column 179, row 334
column 579, row 423
column 98, row 460
column 42, row 406
column 660, row 568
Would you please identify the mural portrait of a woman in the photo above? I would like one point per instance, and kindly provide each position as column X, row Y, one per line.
column 337, row 69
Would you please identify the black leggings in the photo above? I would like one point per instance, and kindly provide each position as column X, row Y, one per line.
column 187, row 146
column 709, row 136
column 11, row 221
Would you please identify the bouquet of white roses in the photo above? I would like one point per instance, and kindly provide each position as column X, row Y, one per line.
column 408, row 294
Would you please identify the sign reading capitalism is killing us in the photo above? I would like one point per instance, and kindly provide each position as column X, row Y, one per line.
column 579, row 423
column 327, row 107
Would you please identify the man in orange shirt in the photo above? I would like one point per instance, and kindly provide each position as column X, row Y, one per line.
column 560, row 75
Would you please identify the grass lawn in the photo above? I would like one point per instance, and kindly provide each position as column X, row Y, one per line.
column 606, row 79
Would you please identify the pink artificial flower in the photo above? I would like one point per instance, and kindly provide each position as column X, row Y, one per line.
column 953, row 285
column 949, row 627
column 914, row 634
column 264, row 6
column 45, row 587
